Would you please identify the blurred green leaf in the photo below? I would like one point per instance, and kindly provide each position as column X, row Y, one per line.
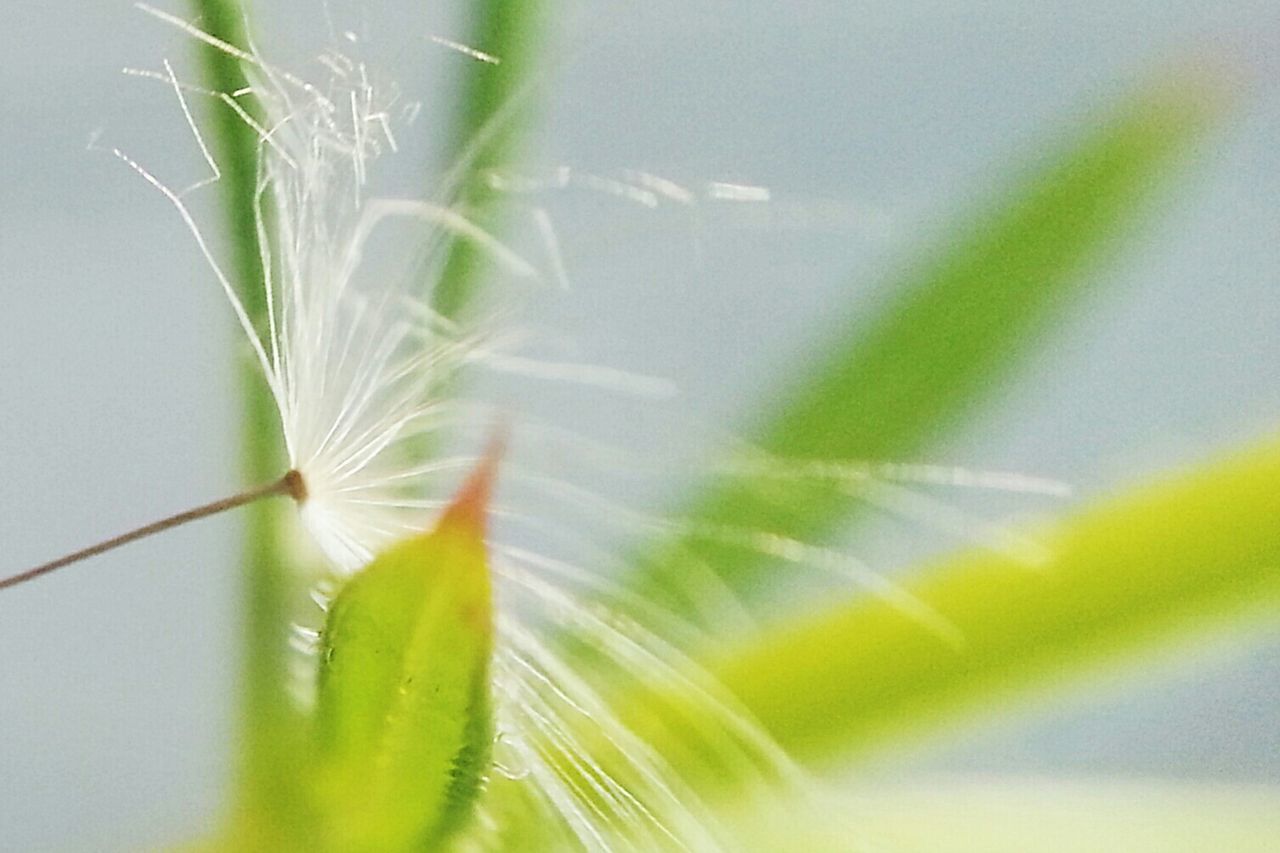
column 1145, row 569
column 958, row 325
column 492, row 117
column 403, row 720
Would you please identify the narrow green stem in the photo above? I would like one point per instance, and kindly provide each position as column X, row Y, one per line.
column 492, row 118
column 268, row 730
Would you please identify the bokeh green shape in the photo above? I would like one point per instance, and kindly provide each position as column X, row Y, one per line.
column 958, row 323
column 1163, row 562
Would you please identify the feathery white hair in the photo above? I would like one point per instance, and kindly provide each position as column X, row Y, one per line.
column 361, row 377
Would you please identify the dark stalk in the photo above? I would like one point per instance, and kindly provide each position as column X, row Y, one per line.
column 290, row 484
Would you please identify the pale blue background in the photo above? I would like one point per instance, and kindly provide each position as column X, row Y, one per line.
column 116, row 396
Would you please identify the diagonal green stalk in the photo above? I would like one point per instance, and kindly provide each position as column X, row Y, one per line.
column 959, row 324
column 1142, row 570
column 492, row 117
column 267, row 724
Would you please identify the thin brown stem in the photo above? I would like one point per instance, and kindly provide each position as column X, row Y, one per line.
column 290, row 484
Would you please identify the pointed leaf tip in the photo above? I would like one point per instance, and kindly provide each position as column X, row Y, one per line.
column 469, row 508
column 404, row 723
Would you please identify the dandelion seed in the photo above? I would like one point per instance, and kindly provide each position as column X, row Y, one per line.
column 356, row 371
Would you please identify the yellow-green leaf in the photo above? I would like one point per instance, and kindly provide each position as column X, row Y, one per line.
column 1141, row 570
column 403, row 717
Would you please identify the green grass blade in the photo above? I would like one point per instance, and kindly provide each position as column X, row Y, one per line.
column 959, row 325
column 1145, row 569
column 492, row 117
column 267, row 764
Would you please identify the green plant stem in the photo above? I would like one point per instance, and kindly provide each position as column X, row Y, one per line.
column 957, row 326
column 267, row 724
column 1135, row 572
column 492, row 117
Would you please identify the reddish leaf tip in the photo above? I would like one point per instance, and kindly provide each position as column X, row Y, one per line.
column 469, row 507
